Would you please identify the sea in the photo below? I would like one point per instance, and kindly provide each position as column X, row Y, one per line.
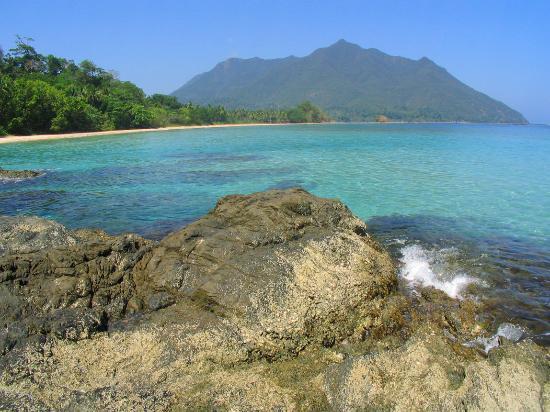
column 464, row 208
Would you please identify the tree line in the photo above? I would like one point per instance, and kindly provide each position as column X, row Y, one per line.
column 49, row 94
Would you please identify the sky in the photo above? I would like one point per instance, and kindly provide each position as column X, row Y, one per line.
column 501, row 48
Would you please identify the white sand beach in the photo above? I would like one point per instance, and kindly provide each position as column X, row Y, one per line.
column 39, row 137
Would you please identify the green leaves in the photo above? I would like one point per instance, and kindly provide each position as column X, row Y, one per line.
column 74, row 114
column 33, row 106
column 165, row 101
column 306, row 112
column 43, row 94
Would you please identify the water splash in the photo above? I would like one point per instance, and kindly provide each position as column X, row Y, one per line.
column 509, row 331
column 420, row 268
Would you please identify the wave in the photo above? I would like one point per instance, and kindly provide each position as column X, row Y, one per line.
column 421, row 267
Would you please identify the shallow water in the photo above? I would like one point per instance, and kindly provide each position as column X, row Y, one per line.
column 456, row 204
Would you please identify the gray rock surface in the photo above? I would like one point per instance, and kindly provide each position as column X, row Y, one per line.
column 54, row 281
column 22, row 235
column 286, row 267
column 273, row 301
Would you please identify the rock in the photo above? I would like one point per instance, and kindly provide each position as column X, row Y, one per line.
column 61, row 282
column 160, row 300
column 286, row 267
column 428, row 374
column 76, row 324
column 18, row 174
column 22, row 235
column 273, row 301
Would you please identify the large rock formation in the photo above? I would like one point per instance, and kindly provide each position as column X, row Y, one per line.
column 286, row 267
column 277, row 300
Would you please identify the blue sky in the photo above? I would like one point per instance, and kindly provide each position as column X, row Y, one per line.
column 501, row 48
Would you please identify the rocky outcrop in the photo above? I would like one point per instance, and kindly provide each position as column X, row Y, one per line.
column 286, row 267
column 23, row 235
column 276, row 300
column 18, row 174
column 58, row 282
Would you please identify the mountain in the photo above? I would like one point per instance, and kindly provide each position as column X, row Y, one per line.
column 350, row 83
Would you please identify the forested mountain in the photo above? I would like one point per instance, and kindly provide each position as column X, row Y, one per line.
column 349, row 83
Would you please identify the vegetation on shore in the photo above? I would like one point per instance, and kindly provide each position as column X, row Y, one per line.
column 50, row 94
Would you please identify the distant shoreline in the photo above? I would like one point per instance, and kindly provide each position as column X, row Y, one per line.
column 429, row 122
column 41, row 137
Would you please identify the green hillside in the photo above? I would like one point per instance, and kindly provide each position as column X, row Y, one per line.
column 50, row 94
column 351, row 84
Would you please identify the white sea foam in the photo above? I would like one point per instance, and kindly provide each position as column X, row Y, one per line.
column 418, row 269
column 398, row 241
column 508, row 331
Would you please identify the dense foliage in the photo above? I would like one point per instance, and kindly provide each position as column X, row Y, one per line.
column 351, row 84
column 41, row 94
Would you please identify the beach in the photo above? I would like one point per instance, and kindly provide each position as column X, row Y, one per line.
column 40, row 137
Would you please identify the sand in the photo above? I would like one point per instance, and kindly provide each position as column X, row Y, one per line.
column 39, row 137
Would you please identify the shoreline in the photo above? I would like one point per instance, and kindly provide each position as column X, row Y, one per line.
column 51, row 136
column 41, row 137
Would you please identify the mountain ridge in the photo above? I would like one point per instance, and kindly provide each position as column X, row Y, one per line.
column 350, row 83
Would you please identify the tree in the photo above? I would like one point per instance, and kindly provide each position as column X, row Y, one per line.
column 306, row 112
column 55, row 65
column 34, row 104
column 74, row 114
column 40, row 94
column 140, row 117
column 6, row 103
column 163, row 100
column 24, row 57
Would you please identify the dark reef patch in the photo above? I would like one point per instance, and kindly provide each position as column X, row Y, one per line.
column 18, row 174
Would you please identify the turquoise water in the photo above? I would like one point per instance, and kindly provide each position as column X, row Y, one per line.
column 471, row 200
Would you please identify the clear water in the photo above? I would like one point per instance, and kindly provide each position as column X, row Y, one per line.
column 451, row 202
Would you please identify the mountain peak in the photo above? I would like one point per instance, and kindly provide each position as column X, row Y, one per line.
column 425, row 60
column 351, row 84
column 342, row 43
